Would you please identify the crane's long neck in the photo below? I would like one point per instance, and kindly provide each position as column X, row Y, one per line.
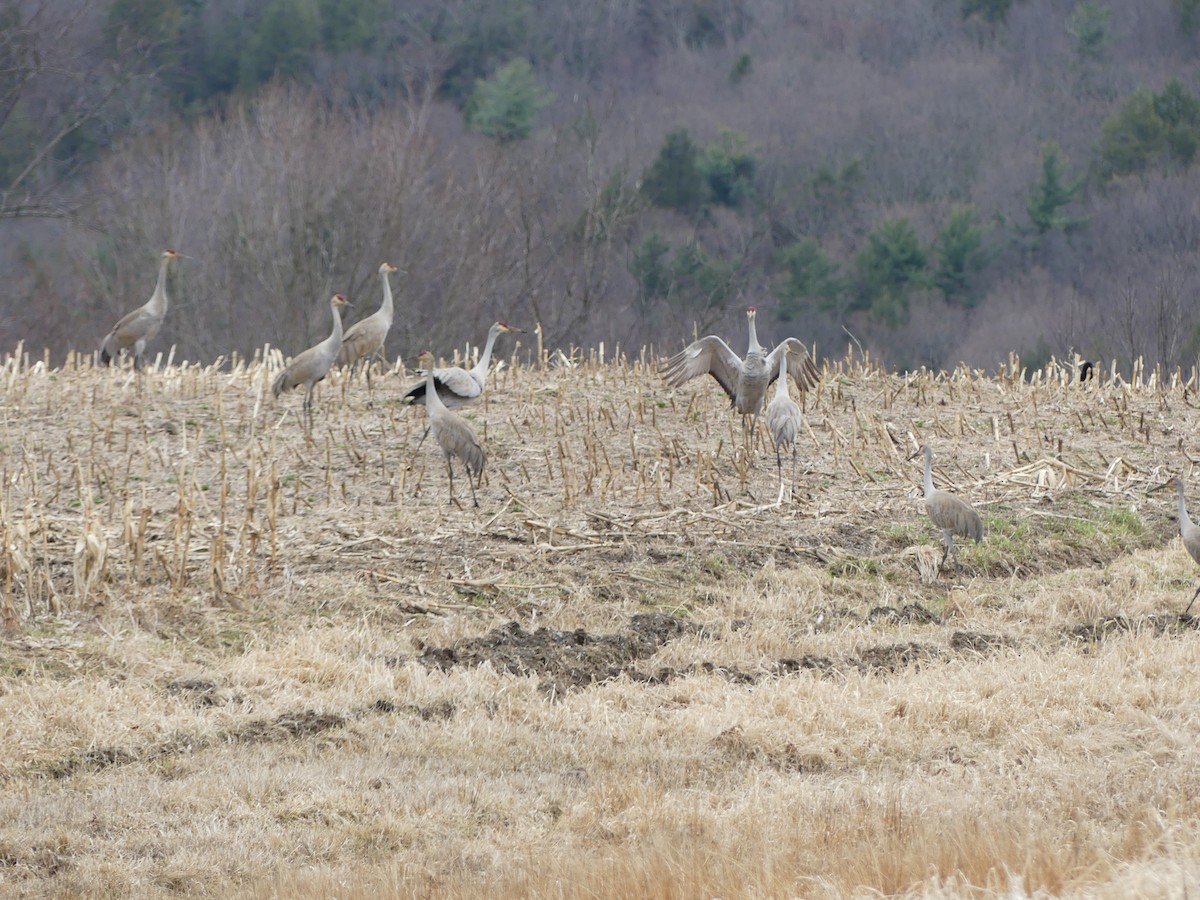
column 755, row 346
column 387, row 309
column 158, row 300
column 781, row 387
column 485, row 359
column 433, row 400
column 1185, row 521
column 928, row 471
column 333, row 343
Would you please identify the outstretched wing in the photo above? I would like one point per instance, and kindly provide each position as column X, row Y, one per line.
column 800, row 364
column 457, row 381
column 708, row 356
column 455, row 386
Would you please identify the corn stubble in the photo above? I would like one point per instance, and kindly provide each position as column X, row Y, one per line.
column 215, row 678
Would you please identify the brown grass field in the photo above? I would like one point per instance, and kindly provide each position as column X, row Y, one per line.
column 243, row 661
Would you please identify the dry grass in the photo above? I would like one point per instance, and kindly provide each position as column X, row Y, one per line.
column 244, row 661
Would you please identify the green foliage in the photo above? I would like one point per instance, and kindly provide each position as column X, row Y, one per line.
column 153, row 26
column 1088, row 25
column 809, row 276
column 691, row 279
column 700, row 281
column 891, row 265
column 1054, row 192
column 506, row 106
column 674, row 180
column 729, row 165
column 741, row 69
column 350, row 24
column 1187, row 14
column 280, row 45
column 1151, row 130
column 994, row 12
column 960, row 256
column 649, row 268
column 833, row 189
column 486, row 33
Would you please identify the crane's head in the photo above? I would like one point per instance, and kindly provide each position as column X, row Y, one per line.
column 1172, row 482
column 169, row 253
column 924, row 449
column 339, row 300
column 503, row 326
column 387, row 268
column 425, row 359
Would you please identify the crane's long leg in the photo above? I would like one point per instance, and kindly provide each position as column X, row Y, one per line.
column 450, row 469
column 1189, row 606
column 471, row 482
column 793, row 466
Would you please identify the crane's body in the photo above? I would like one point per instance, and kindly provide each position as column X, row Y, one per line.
column 451, row 432
column 364, row 340
column 783, row 418
column 313, row 364
column 456, row 386
column 1188, row 530
column 745, row 381
column 135, row 329
column 950, row 514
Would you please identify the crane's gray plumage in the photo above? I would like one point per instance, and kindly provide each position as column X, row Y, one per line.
column 314, row 363
column 783, row 417
column 364, row 339
column 1188, row 530
column 135, row 329
column 745, row 381
column 457, row 386
column 952, row 515
column 451, row 432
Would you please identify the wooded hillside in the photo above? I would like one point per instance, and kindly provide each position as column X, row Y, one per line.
column 945, row 179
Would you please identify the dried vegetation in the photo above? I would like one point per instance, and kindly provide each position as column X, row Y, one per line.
column 240, row 659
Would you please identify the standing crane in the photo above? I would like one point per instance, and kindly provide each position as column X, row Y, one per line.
column 947, row 512
column 744, row 380
column 314, row 363
column 456, row 386
column 1187, row 529
column 451, row 431
column 364, row 339
column 783, row 418
column 135, row 329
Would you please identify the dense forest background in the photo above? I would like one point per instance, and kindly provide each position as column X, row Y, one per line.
column 944, row 180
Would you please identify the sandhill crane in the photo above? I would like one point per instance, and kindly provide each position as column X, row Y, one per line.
column 783, row 418
column 314, row 363
column 1187, row 529
column 456, row 386
column 364, row 339
column 134, row 329
column 744, row 380
column 947, row 512
column 451, row 431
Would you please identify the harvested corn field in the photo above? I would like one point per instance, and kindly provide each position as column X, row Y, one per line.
column 245, row 659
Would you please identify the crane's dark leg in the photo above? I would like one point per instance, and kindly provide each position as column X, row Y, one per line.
column 1189, row 606
column 422, row 440
column 948, row 539
column 793, row 467
column 450, row 469
column 471, row 482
